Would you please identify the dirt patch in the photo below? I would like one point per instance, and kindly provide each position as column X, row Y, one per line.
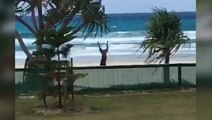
column 55, row 110
column 145, row 92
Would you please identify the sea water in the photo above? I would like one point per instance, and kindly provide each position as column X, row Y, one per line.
column 127, row 31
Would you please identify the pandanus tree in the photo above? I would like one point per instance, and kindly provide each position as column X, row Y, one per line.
column 164, row 38
column 85, row 15
column 47, row 20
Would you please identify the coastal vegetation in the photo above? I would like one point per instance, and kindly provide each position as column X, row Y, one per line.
column 164, row 38
column 48, row 14
column 54, row 23
column 55, row 32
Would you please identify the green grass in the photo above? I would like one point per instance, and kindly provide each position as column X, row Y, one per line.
column 172, row 105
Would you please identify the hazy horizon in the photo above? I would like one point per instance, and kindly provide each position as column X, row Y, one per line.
column 149, row 12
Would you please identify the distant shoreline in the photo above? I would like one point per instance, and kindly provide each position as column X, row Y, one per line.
column 20, row 66
column 130, row 59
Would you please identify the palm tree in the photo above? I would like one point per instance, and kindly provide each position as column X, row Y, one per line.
column 55, row 39
column 164, row 38
column 46, row 14
column 49, row 16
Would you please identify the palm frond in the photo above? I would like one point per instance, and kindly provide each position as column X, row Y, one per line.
column 65, row 50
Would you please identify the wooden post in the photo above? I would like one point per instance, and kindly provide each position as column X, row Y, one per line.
column 72, row 83
column 180, row 75
column 64, row 94
column 72, row 62
column 65, row 89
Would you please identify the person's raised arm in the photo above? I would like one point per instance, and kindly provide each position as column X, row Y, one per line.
column 99, row 46
column 107, row 46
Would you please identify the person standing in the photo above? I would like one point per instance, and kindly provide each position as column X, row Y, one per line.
column 104, row 54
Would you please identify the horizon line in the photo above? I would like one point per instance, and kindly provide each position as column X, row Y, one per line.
column 150, row 12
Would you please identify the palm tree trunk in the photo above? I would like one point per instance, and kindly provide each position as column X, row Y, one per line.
column 39, row 35
column 28, row 26
column 166, row 73
column 23, row 46
column 39, row 42
column 34, row 19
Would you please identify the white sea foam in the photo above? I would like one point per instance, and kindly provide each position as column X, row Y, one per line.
column 114, row 37
column 120, row 43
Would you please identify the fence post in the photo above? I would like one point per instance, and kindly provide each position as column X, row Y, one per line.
column 72, row 62
column 72, row 84
column 166, row 73
column 180, row 75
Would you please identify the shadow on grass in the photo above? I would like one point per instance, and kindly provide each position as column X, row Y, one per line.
column 21, row 89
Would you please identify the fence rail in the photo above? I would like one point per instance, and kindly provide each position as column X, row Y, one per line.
column 130, row 66
column 109, row 76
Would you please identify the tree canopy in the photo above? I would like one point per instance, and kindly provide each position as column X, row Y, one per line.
column 83, row 15
column 164, row 36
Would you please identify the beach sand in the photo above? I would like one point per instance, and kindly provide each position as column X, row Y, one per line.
column 131, row 59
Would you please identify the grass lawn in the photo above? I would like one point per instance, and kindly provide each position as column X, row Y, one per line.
column 172, row 105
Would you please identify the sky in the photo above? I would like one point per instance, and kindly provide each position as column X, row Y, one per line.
column 143, row 6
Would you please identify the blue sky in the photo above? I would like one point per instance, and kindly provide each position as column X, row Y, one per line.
column 139, row 6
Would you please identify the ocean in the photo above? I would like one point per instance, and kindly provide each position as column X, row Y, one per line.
column 127, row 31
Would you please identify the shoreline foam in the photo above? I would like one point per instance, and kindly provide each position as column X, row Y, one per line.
column 113, row 63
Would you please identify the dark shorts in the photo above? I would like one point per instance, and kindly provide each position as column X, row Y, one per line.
column 102, row 64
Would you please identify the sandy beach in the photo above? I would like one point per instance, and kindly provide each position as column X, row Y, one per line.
column 131, row 59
